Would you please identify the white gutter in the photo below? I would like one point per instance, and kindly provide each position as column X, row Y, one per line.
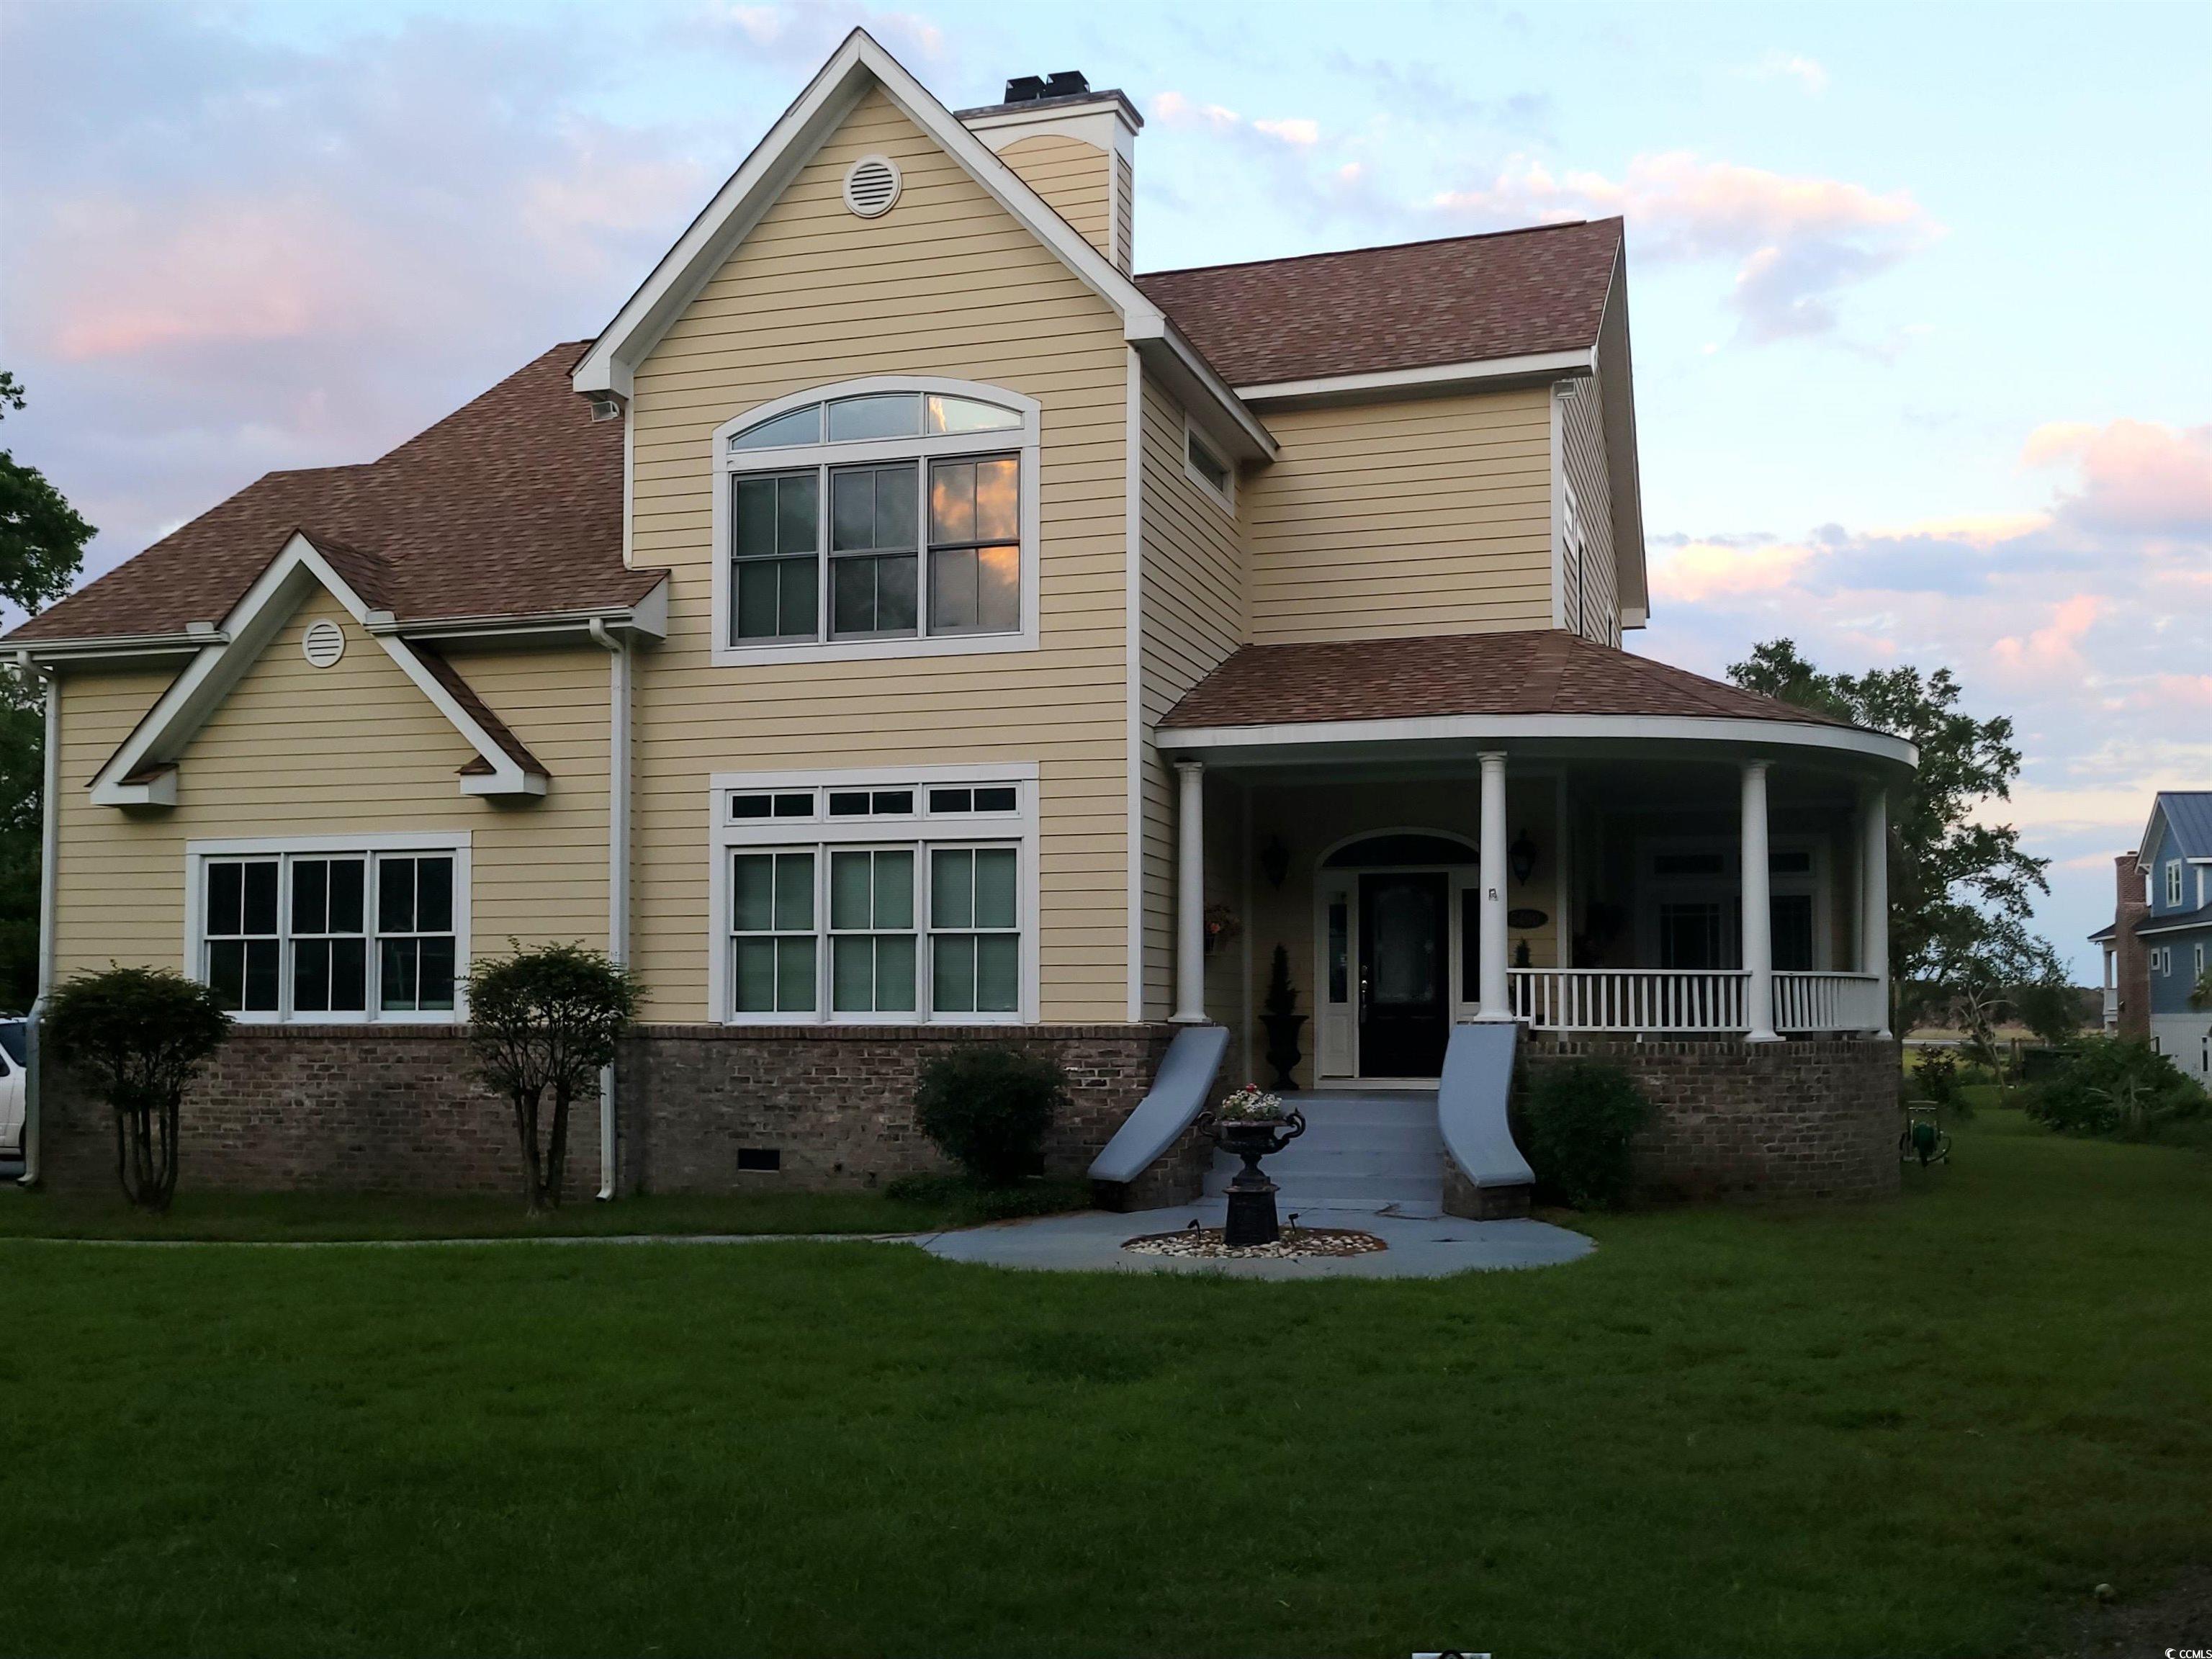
column 1132, row 643
column 49, row 847
column 618, row 725
column 1439, row 377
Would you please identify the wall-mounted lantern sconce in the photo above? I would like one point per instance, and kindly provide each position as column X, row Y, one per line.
column 1275, row 861
column 1521, row 855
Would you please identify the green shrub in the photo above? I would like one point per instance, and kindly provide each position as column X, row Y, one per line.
column 139, row 1034
column 1576, row 1122
column 2117, row 1086
column 965, row 1197
column 989, row 1108
column 1937, row 1076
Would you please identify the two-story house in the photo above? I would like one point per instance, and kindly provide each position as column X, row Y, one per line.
column 2158, row 946
column 905, row 622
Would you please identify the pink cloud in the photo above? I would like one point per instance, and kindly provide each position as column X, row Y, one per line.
column 2136, row 476
column 1702, row 570
column 2056, row 647
column 1795, row 241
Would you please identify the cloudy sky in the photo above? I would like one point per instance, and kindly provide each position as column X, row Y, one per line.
column 1923, row 364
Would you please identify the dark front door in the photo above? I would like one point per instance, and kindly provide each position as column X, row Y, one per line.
column 1405, row 982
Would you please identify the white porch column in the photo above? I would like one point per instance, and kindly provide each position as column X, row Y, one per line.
column 1190, row 893
column 1758, row 915
column 1490, row 994
column 1874, row 897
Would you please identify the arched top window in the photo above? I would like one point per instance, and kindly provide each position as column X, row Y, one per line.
column 880, row 517
column 1402, row 849
column 878, row 414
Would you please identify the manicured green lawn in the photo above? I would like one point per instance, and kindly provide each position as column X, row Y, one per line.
column 311, row 1215
column 1926, row 1427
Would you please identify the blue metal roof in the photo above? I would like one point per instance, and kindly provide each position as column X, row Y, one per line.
column 2188, row 815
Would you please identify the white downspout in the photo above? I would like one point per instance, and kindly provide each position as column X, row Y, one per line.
column 49, row 847
column 618, row 724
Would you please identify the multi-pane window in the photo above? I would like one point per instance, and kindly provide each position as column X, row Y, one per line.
column 2173, row 884
column 864, row 546
column 772, row 921
column 329, row 935
column 892, row 901
column 975, row 546
column 974, row 946
column 774, row 533
column 871, row 943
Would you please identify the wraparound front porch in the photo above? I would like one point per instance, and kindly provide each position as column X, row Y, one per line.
column 1690, row 884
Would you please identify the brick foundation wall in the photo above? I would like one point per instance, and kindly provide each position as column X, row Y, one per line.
column 837, row 1103
column 327, row 1108
column 1813, row 1120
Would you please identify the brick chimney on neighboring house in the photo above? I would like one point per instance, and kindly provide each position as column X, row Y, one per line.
column 2131, row 961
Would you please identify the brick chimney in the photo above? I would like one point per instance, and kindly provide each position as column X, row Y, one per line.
column 2131, row 961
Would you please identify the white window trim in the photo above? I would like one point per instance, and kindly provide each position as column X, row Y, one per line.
column 456, row 843
column 919, row 831
column 1224, row 499
column 1652, row 888
column 1025, row 441
column 2173, row 888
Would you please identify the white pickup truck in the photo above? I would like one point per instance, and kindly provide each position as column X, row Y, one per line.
column 13, row 1057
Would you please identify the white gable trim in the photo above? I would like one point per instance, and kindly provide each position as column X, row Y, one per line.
column 195, row 695
column 609, row 367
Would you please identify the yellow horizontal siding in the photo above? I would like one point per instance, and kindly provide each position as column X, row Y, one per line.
column 1427, row 515
column 947, row 283
column 354, row 748
column 1075, row 178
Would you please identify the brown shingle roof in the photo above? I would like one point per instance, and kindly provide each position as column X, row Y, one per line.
column 1538, row 671
column 1466, row 299
column 462, row 693
column 510, row 506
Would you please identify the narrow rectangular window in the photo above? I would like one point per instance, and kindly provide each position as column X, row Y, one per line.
column 416, row 950
column 975, row 546
column 1339, row 951
column 330, row 936
column 975, row 930
column 2173, row 884
column 244, row 954
column 1207, row 467
column 872, row 550
column 772, row 927
column 774, row 555
column 871, row 940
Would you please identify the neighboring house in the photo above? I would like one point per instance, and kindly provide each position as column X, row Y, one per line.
column 2158, row 943
column 901, row 623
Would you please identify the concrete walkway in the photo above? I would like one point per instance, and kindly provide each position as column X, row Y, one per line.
column 1420, row 1248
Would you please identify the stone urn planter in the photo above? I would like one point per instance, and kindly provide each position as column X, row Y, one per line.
column 1252, row 1125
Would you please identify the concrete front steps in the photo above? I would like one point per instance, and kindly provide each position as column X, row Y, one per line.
column 1375, row 1151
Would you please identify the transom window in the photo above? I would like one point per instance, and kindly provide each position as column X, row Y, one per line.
column 884, row 520
column 895, row 900
column 344, row 935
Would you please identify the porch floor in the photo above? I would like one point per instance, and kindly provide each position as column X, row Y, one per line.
column 1430, row 1247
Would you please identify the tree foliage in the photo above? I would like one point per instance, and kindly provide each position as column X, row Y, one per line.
column 139, row 1034
column 989, row 1108
column 546, row 1020
column 42, row 540
column 2116, row 1086
column 1961, row 891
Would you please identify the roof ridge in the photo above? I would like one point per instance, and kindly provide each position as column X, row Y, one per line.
column 1384, row 247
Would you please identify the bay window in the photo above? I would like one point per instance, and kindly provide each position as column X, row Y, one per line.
column 898, row 519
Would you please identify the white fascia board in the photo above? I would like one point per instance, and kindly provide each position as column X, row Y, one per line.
column 646, row 619
column 853, row 69
column 114, row 647
column 199, row 690
column 1217, row 409
column 1256, row 741
column 1103, row 124
column 1440, row 377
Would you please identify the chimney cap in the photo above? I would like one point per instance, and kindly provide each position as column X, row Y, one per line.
column 1067, row 83
column 1025, row 88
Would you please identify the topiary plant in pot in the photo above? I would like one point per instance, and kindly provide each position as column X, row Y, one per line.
column 1280, row 1019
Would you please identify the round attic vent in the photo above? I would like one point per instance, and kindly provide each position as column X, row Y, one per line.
column 323, row 644
column 871, row 187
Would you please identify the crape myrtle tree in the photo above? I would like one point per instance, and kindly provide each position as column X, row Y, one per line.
column 545, row 1020
column 139, row 1034
column 1961, row 891
column 41, row 547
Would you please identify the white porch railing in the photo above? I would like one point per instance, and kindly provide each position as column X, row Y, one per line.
column 1827, row 1002
column 1651, row 999
column 1629, row 999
